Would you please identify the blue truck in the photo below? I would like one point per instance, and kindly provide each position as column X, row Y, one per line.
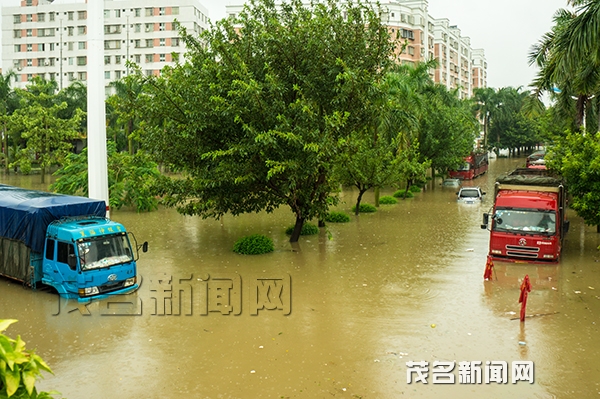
column 65, row 242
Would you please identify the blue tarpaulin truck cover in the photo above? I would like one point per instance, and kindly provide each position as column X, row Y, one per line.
column 26, row 214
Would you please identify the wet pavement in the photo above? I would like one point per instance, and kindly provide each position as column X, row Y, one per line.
column 358, row 302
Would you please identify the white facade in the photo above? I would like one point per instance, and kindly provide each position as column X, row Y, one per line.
column 40, row 38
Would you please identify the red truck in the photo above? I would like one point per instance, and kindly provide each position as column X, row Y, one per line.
column 528, row 221
column 475, row 165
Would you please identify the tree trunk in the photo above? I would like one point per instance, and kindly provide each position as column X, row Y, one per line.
column 598, row 228
column 321, row 223
column 43, row 173
column 297, row 229
column 360, row 194
column 377, row 197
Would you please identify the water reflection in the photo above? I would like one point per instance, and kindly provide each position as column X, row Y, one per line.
column 405, row 283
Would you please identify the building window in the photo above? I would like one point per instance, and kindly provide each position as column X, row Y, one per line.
column 41, row 61
column 70, row 31
column 52, row 76
column 411, row 50
column 81, row 15
column 41, row 17
column 41, row 47
column 70, row 15
column 17, row 19
column 51, row 16
column 106, row 59
column 175, row 42
column 162, row 42
column 81, row 45
column 149, row 57
column 17, row 33
column 162, row 58
column 106, row 13
column 81, row 61
column 117, row 59
column 149, row 43
column 29, row 32
column 118, row 13
column 137, row 58
column 137, row 28
column 29, row 77
column 106, row 74
column 161, row 11
column 29, row 47
column 70, row 46
column 71, row 76
column 29, row 62
column 148, row 27
column 117, row 74
column 162, row 26
column 71, row 60
column 138, row 12
column 28, row 17
column 175, row 10
column 81, row 30
column 149, row 72
column 17, row 48
column 149, row 12
column 82, row 75
column 175, row 25
column 52, row 46
column 137, row 43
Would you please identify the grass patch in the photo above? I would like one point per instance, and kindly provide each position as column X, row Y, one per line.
column 255, row 244
column 365, row 208
column 388, row 200
column 337, row 217
column 308, row 229
column 400, row 194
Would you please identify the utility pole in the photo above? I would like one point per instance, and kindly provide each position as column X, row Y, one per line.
column 96, row 121
column 61, row 54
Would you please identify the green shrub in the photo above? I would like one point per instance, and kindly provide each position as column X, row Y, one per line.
column 20, row 368
column 400, row 194
column 25, row 166
column 414, row 189
column 255, row 244
column 365, row 208
column 308, row 229
column 337, row 217
column 388, row 200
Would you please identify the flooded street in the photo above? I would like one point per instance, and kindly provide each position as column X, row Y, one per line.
column 365, row 297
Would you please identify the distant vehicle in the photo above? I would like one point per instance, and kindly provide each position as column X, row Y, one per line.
column 475, row 165
column 535, row 157
column 451, row 183
column 539, row 164
column 470, row 195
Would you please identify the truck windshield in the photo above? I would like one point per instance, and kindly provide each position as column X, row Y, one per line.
column 465, row 166
column 104, row 252
column 533, row 222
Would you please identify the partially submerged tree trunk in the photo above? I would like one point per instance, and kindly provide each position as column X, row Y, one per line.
column 360, row 194
column 377, row 197
column 297, row 229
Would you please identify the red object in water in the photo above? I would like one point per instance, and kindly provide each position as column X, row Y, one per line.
column 489, row 265
column 525, row 290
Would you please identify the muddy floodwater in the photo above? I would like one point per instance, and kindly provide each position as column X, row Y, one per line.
column 357, row 302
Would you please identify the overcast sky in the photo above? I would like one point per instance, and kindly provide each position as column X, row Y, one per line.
column 505, row 29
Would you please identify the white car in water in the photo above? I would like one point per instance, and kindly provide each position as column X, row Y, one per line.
column 470, row 195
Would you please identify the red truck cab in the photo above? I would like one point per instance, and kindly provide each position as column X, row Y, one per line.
column 528, row 221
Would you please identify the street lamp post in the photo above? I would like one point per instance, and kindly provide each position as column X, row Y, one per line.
column 61, row 54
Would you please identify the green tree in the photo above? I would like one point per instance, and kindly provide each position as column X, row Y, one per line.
column 49, row 138
column 484, row 105
column 254, row 118
column 447, row 129
column 19, row 368
column 130, row 178
column 8, row 103
column 576, row 157
column 122, row 108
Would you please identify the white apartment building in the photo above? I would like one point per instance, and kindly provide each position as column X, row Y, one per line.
column 424, row 37
column 49, row 38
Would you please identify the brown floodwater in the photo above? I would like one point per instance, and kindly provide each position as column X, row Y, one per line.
column 357, row 302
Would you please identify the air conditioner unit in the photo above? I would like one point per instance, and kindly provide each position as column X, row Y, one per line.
column 19, row 68
column 46, row 63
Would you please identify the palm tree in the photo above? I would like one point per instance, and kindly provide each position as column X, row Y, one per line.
column 569, row 58
column 484, row 105
column 123, row 104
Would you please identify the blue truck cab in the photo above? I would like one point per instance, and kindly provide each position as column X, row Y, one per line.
column 65, row 242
